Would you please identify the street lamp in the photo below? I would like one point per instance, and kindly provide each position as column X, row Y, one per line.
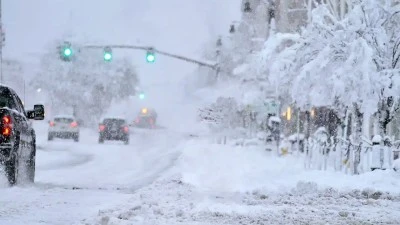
column 39, row 90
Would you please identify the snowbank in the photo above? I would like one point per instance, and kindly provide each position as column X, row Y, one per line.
column 170, row 201
column 225, row 168
column 223, row 184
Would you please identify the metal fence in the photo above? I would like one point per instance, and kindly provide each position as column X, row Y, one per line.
column 348, row 157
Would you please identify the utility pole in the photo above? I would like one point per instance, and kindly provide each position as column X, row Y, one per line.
column 24, row 91
column 1, row 46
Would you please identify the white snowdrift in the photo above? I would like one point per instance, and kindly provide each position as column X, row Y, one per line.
column 170, row 201
column 222, row 184
column 228, row 168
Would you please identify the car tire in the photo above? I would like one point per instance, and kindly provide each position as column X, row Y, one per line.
column 50, row 137
column 101, row 140
column 76, row 138
column 12, row 165
column 31, row 163
column 126, row 141
column 31, row 169
column 11, row 169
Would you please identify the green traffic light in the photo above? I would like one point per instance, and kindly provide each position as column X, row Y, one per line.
column 107, row 56
column 67, row 52
column 141, row 96
column 150, row 57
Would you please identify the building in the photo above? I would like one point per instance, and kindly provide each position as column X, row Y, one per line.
column 291, row 15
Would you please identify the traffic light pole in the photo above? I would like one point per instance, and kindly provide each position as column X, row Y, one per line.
column 1, row 46
column 212, row 66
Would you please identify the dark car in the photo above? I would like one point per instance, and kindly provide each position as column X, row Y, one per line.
column 17, row 138
column 146, row 118
column 114, row 129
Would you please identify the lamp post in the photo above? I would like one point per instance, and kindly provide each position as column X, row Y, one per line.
column 1, row 46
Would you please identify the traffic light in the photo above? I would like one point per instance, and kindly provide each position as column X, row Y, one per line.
column 107, row 54
column 150, row 57
column 141, row 96
column 66, row 51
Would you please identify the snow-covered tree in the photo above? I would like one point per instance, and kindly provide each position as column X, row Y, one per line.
column 221, row 115
column 87, row 83
column 350, row 63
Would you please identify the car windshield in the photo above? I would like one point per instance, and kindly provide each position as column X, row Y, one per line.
column 63, row 120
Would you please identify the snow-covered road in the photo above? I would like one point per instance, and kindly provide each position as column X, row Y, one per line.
column 164, row 177
column 76, row 180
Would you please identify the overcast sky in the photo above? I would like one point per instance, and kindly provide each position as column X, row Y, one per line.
column 177, row 26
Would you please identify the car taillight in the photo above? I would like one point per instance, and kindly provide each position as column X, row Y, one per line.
column 7, row 125
column 102, row 127
column 126, row 129
column 74, row 124
column 6, row 120
column 52, row 124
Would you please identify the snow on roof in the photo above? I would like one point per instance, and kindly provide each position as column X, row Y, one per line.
column 377, row 139
column 113, row 117
column 321, row 130
column 64, row 116
column 275, row 119
column 6, row 86
column 293, row 137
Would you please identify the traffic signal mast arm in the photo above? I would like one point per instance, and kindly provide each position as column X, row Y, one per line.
column 212, row 66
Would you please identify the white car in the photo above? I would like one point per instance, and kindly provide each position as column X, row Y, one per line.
column 65, row 127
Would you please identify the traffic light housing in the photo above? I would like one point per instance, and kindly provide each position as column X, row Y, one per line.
column 150, row 56
column 66, row 51
column 107, row 54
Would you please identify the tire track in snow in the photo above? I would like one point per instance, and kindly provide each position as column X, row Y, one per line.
column 156, row 166
column 73, row 158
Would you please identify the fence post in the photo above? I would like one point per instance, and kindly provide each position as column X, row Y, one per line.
column 357, row 158
column 376, row 160
column 326, row 156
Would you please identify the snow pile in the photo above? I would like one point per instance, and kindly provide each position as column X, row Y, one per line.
column 222, row 184
column 170, row 201
column 3, row 178
column 52, row 205
column 228, row 168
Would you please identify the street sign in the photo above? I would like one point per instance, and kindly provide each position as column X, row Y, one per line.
column 268, row 106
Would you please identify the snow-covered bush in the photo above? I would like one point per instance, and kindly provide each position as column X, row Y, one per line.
column 221, row 115
column 87, row 83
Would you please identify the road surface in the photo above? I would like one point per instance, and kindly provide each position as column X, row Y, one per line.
column 76, row 180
